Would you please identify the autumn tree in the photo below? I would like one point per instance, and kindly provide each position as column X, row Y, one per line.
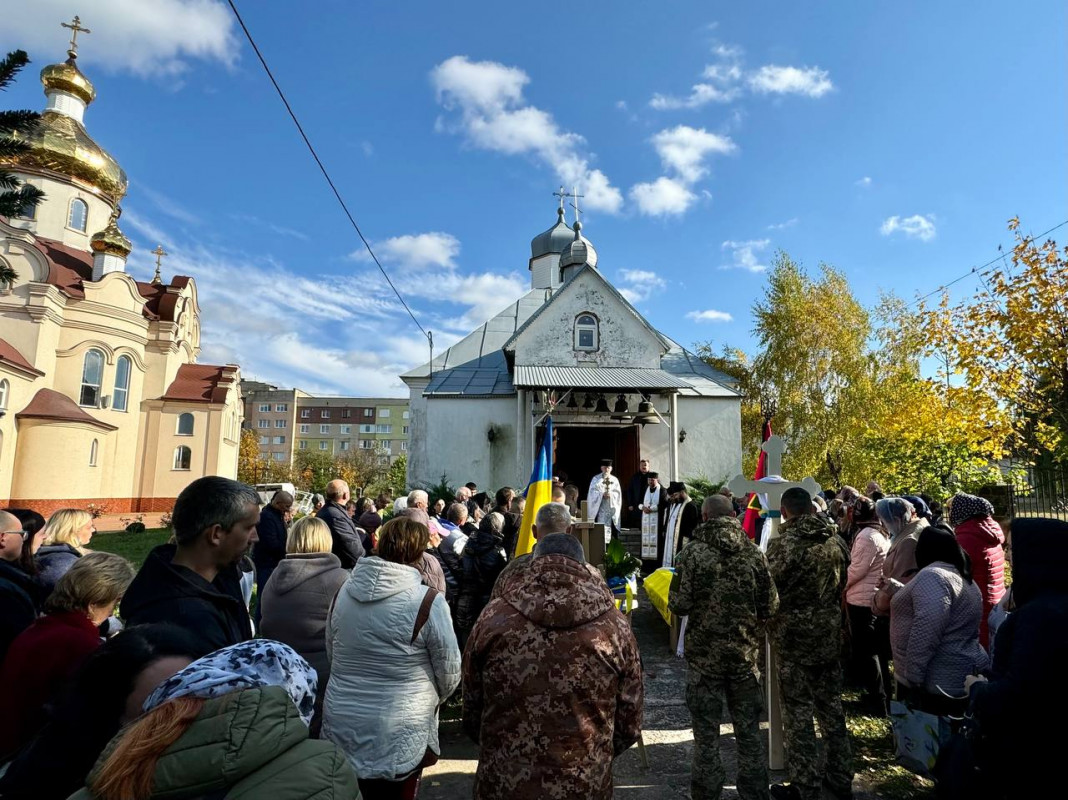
column 1010, row 341
column 249, row 461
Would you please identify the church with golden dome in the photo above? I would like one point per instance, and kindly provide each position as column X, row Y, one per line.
column 101, row 397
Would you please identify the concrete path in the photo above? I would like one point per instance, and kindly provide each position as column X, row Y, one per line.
column 668, row 737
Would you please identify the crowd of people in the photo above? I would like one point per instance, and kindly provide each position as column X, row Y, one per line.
column 371, row 614
column 902, row 599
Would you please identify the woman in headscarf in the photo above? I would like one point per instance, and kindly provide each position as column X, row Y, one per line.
column 231, row 725
column 865, row 568
column 934, row 627
column 899, row 520
column 981, row 537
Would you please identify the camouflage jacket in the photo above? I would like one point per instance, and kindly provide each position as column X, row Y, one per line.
column 809, row 562
column 552, row 684
column 722, row 583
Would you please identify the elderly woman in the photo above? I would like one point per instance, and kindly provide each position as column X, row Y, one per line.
column 47, row 653
column 981, row 537
column 66, row 535
column 483, row 560
column 934, row 626
column 296, row 600
column 865, row 568
column 899, row 520
column 394, row 660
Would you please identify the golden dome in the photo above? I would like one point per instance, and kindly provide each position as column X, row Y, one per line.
column 111, row 240
column 66, row 77
column 59, row 143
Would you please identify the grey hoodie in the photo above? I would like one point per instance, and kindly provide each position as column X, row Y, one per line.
column 295, row 603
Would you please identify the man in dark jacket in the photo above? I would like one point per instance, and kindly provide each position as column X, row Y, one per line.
column 551, row 655
column 271, row 533
column 809, row 562
column 196, row 582
column 347, row 542
column 723, row 586
column 18, row 592
column 512, row 521
column 639, row 482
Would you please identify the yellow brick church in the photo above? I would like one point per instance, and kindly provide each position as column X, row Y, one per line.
column 101, row 398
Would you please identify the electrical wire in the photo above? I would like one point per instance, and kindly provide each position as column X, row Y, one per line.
column 978, row 270
column 322, row 168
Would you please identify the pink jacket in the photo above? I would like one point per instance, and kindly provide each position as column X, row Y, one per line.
column 984, row 542
column 866, row 565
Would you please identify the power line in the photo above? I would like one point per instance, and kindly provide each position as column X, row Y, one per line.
column 322, row 169
column 978, row 270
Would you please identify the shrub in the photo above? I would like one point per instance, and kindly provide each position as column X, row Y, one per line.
column 136, row 527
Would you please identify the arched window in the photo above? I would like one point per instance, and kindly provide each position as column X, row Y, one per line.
column 79, row 215
column 4, row 389
column 92, row 378
column 183, row 456
column 122, row 384
column 93, row 448
column 586, row 337
column 185, row 424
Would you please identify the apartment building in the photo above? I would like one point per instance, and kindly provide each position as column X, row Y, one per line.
column 337, row 425
column 271, row 413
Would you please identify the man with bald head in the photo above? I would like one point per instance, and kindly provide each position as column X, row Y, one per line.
column 17, row 608
column 723, row 586
column 347, row 544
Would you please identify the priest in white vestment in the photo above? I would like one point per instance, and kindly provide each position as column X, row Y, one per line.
column 604, row 500
column 652, row 507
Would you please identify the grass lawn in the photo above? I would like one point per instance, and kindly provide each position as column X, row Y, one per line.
column 133, row 546
column 873, row 759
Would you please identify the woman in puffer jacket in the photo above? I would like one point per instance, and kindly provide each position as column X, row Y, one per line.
column 483, row 559
column 394, row 660
column 231, row 725
column 981, row 537
column 865, row 568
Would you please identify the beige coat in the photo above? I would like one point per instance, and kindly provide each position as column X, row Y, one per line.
column 899, row 565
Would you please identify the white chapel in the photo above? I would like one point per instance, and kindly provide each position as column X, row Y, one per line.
column 574, row 347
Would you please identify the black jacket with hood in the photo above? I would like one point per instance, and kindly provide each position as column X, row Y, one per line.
column 163, row 592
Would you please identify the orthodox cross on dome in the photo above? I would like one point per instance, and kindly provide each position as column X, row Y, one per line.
column 561, row 194
column 75, row 28
column 159, row 253
column 575, row 195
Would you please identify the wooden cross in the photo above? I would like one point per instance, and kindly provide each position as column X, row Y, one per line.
column 75, row 28
column 159, row 253
column 774, row 447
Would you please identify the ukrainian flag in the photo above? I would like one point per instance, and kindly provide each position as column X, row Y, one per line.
column 539, row 490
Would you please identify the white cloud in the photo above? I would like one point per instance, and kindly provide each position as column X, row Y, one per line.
column 168, row 206
column 145, row 37
column 640, row 284
column 274, row 227
column 744, row 255
column 621, row 105
column 917, row 226
column 808, row 81
column 683, row 150
column 709, row 315
column 864, row 182
column 701, row 94
column 368, row 148
column 488, row 98
column 352, row 339
column 783, row 225
column 434, row 249
column 662, row 197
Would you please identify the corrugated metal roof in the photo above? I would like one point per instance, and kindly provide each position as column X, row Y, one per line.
column 597, row 378
column 482, row 377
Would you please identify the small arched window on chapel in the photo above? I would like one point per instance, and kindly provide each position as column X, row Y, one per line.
column 79, row 215
column 185, row 424
column 183, row 457
column 92, row 378
column 586, row 334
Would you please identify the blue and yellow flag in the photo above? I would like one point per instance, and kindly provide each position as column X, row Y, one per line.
column 539, row 490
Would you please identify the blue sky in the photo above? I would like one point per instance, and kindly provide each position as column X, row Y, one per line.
column 892, row 140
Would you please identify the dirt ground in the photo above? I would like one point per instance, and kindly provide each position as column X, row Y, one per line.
column 668, row 737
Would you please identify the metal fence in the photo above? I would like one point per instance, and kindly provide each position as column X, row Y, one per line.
column 1041, row 491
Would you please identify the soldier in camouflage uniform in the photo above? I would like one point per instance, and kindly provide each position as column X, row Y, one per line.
column 723, row 586
column 552, row 680
column 809, row 561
